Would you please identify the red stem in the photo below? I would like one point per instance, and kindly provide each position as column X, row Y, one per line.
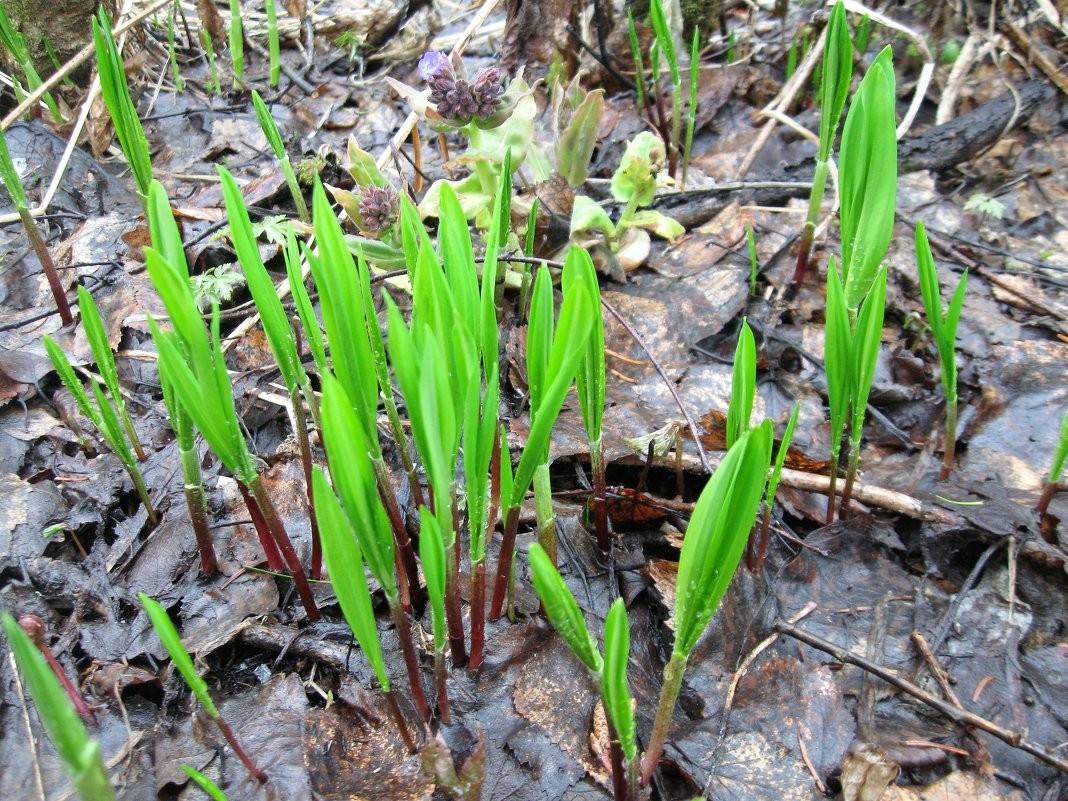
column 411, row 664
column 35, row 629
column 441, row 687
column 478, row 616
column 504, row 562
column 301, row 425
column 228, row 733
column 803, row 254
column 194, row 499
column 600, row 503
column 398, row 718
column 278, row 530
column 37, row 242
column 274, row 558
column 400, row 533
column 453, row 612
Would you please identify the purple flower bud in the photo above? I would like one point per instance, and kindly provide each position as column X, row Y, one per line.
column 433, row 62
column 379, row 207
column 487, row 90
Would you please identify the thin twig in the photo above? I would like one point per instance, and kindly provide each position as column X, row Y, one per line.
column 961, row 717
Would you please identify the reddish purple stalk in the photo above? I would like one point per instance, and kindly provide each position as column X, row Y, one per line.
column 35, row 629
column 504, row 563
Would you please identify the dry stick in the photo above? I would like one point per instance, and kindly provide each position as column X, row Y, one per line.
column 1034, row 54
column 75, row 61
column 667, row 381
column 939, row 672
column 961, row 717
column 783, row 101
column 401, row 136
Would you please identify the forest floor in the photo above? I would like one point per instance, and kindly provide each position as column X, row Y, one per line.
column 962, row 562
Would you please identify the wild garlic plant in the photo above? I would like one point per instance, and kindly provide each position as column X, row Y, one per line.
column 345, row 567
column 103, row 415
column 79, row 754
column 15, row 43
column 168, row 635
column 279, row 337
column 192, row 362
column 274, row 139
column 856, row 299
column 120, row 105
column 713, row 546
column 167, row 240
column 356, row 483
column 834, row 90
column 943, row 325
column 1060, row 454
column 13, row 184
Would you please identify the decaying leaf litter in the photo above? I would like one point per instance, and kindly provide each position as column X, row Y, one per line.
column 962, row 562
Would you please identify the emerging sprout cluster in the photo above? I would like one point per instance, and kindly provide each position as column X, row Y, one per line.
column 457, row 98
column 379, row 207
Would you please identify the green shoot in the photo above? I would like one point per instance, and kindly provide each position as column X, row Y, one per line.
column 168, row 635
column 105, row 362
column 838, row 357
column 432, row 555
column 205, row 784
column 344, row 311
column 691, row 107
column 279, row 336
column 865, row 355
column 944, row 330
column 715, row 539
column 274, row 139
column 213, row 86
column 564, row 358
column 172, row 51
column 305, row 312
column 103, row 417
column 120, row 105
column 667, row 47
column 754, row 262
column 590, row 381
column 1055, row 469
column 837, row 74
column 237, row 42
column 168, row 241
column 13, row 184
column 193, row 363
column 356, row 482
column 791, row 58
column 758, row 550
column 743, row 385
column 273, row 41
column 635, row 49
column 80, row 755
column 344, row 562
column 868, row 180
column 15, row 43
column 862, row 35
column 610, row 672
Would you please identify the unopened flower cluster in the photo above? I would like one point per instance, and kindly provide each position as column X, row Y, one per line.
column 457, row 98
column 379, row 207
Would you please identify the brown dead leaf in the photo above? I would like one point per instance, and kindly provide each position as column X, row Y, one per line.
column 212, row 20
column 958, row 784
column 633, row 508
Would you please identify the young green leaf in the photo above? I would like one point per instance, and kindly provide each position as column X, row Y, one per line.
column 868, row 179
column 837, row 74
column 274, row 45
column 264, row 293
column 614, row 686
column 120, row 105
column 780, row 456
column 168, row 635
column 743, row 385
column 10, row 175
column 563, row 610
column 347, row 453
column 432, row 555
column 590, row 378
column 80, row 755
column 717, row 533
column 866, row 351
column 70, row 381
column 1060, row 453
column 267, row 123
column 309, row 322
column 237, row 41
column 943, row 323
column 166, row 238
column 575, row 147
column 838, row 358
column 202, row 781
column 344, row 563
